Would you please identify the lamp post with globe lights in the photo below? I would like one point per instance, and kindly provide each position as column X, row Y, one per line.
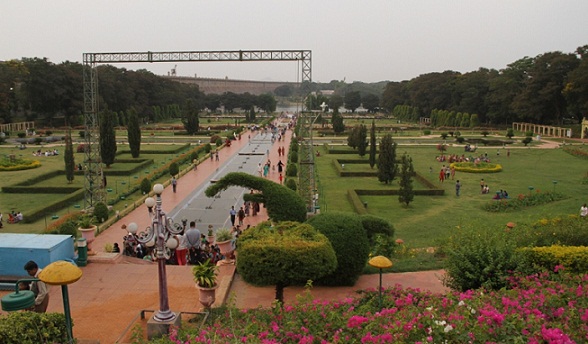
column 162, row 230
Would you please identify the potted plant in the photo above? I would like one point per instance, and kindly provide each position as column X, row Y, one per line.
column 224, row 239
column 205, row 278
column 88, row 229
column 210, row 236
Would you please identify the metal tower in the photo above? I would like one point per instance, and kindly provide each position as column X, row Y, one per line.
column 93, row 166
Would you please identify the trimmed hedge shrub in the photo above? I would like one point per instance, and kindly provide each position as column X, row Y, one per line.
column 101, row 212
column 376, row 225
column 291, row 184
column 145, row 186
column 282, row 203
column 522, row 201
column 293, row 157
column 291, row 170
column 348, row 237
column 482, row 167
column 287, row 253
column 573, row 258
column 33, row 328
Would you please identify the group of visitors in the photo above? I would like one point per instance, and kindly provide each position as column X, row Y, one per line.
column 446, row 173
column 502, row 194
column 46, row 153
column 13, row 217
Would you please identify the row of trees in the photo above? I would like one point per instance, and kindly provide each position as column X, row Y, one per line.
column 388, row 166
column 34, row 89
column 551, row 88
column 350, row 100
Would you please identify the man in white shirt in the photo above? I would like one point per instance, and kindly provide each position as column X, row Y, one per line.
column 39, row 288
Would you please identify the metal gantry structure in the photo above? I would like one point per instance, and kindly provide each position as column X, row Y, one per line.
column 307, row 176
column 93, row 182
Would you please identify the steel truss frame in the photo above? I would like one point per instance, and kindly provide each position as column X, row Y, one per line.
column 93, row 182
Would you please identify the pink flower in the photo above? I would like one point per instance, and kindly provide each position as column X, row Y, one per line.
column 558, row 268
column 356, row 321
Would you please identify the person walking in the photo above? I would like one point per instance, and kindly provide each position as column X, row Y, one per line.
column 457, row 188
column 241, row 216
column 39, row 288
column 584, row 211
column 233, row 214
column 174, row 183
column 182, row 249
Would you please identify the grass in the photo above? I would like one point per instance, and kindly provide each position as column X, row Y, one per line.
column 430, row 219
column 116, row 184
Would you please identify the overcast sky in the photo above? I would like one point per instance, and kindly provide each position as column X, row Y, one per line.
column 351, row 40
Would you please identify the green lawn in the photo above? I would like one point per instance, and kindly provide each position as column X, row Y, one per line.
column 432, row 218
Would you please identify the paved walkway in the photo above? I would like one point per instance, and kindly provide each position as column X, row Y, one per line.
column 114, row 289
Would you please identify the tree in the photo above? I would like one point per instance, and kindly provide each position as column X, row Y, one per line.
column 134, row 132
column 68, row 157
column 353, row 137
column 283, row 254
column 352, row 100
column 373, row 145
column 337, row 121
column 267, row 102
column 387, row 168
column 371, row 102
column 362, row 140
column 107, row 137
column 174, row 169
column 190, row 117
column 406, row 193
column 335, row 102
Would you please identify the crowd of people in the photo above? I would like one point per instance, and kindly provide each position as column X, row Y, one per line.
column 13, row 217
column 38, row 152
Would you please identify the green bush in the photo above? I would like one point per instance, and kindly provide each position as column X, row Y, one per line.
column 218, row 142
column 479, row 258
column 485, row 133
column 207, row 148
column 33, row 328
column 293, row 157
column 291, row 184
column 101, row 212
column 527, row 140
column 21, row 135
column 376, row 225
column 529, row 133
column 426, row 132
column 348, row 237
column 522, row 201
column 145, row 186
column 444, row 136
column 460, row 139
column 574, row 259
column 510, row 133
column 287, row 253
column 291, row 170
column 174, row 169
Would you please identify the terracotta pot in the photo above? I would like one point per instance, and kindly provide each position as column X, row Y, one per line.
column 89, row 235
column 207, row 295
column 225, row 247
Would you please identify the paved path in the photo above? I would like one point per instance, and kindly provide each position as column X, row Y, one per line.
column 112, row 292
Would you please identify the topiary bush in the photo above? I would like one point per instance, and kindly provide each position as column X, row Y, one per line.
column 291, row 170
column 291, row 184
column 376, row 225
column 207, row 148
column 33, row 328
column 287, row 253
column 145, row 186
column 101, row 212
column 460, row 139
column 174, row 169
column 293, row 157
column 282, row 203
column 219, row 142
column 527, row 140
column 348, row 237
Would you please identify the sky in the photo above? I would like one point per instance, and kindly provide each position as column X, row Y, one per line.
column 350, row 40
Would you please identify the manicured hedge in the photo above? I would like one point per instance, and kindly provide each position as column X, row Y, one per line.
column 287, row 253
column 572, row 258
column 40, row 213
column 33, row 328
column 349, row 239
column 376, row 225
column 356, row 202
column 282, row 203
column 482, row 167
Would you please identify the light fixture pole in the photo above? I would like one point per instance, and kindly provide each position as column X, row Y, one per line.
column 162, row 230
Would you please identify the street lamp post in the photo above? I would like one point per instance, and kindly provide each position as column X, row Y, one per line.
column 162, row 229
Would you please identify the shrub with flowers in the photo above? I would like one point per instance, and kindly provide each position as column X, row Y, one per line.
column 545, row 308
column 7, row 164
column 578, row 152
column 522, row 201
column 481, row 167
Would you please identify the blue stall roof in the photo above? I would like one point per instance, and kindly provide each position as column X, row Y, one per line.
column 42, row 241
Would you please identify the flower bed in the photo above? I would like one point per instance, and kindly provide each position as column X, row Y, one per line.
column 576, row 151
column 481, row 167
column 522, row 201
column 18, row 164
column 546, row 308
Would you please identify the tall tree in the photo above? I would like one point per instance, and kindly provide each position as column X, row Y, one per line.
column 362, row 140
column 371, row 102
column 267, row 102
column 353, row 137
column 352, row 100
column 335, row 102
column 406, row 193
column 107, row 137
column 387, row 168
column 373, row 144
column 190, row 117
column 134, row 132
column 337, row 121
column 68, row 158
